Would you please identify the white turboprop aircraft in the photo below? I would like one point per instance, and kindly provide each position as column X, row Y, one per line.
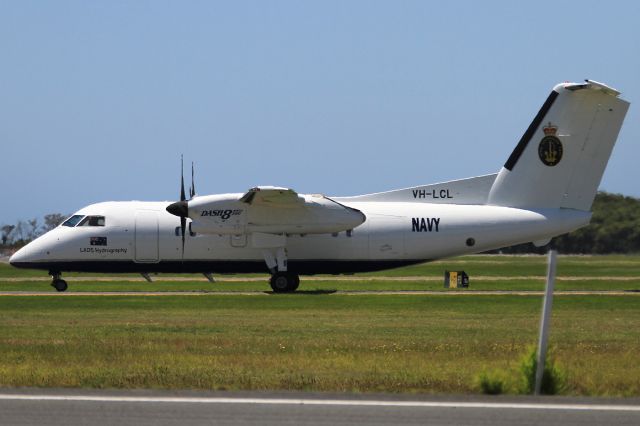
column 545, row 189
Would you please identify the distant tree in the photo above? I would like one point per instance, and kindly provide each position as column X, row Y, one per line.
column 52, row 220
column 6, row 232
column 19, row 232
column 32, row 229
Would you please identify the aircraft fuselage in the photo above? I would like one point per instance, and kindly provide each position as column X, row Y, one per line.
column 143, row 237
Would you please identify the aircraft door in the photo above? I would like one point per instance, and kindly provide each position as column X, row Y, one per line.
column 146, row 236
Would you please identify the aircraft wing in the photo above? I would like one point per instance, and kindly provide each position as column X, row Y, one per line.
column 272, row 196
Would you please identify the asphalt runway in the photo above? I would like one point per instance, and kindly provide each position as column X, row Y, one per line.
column 119, row 408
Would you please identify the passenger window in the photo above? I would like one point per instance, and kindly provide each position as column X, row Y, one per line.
column 92, row 221
column 73, row 220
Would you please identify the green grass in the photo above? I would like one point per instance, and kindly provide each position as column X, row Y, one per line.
column 320, row 285
column 312, row 342
column 533, row 265
column 326, row 342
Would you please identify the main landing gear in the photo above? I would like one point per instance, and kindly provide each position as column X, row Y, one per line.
column 57, row 282
column 282, row 281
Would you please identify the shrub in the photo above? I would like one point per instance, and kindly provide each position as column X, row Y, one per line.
column 553, row 378
column 490, row 383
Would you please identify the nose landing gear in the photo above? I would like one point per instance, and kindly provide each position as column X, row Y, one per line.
column 60, row 285
column 57, row 282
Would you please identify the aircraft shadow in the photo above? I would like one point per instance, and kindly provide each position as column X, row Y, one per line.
column 305, row 292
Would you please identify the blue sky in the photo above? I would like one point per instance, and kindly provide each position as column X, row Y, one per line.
column 99, row 99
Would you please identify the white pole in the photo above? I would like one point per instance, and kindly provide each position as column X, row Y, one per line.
column 544, row 321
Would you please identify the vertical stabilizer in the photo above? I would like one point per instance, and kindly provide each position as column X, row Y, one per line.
column 561, row 157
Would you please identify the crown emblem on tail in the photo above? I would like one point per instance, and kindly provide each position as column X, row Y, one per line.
column 550, row 147
column 550, row 130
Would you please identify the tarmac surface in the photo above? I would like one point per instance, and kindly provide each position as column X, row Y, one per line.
column 119, row 408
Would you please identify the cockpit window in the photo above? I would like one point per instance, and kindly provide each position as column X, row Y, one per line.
column 73, row 220
column 92, row 221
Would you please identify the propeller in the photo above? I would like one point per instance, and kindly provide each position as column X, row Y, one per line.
column 192, row 190
column 181, row 208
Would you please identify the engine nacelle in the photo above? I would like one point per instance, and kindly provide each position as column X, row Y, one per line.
column 218, row 214
column 307, row 214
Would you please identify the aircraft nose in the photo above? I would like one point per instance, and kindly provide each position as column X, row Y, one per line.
column 18, row 257
column 23, row 257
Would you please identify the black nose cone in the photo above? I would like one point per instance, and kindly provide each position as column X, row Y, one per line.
column 179, row 208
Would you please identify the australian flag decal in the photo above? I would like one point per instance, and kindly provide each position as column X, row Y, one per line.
column 98, row 241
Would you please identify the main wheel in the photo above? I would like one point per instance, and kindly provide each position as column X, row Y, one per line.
column 60, row 285
column 296, row 282
column 284, row 282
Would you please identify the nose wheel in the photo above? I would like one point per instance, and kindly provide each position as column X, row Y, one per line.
column 57, row 282
column 60, row 285
column 284, row 282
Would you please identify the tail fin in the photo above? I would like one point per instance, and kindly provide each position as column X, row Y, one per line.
column 561, row 157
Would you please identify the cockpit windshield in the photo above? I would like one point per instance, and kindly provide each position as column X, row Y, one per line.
column 82, row 220
column 92, row 221
column 73, row 220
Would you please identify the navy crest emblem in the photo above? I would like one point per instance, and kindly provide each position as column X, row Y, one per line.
column 550, row 147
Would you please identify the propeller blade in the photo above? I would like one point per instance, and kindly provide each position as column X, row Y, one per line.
column 192, row 191
column 183, row 228
column 182, row 196
column 181, row 208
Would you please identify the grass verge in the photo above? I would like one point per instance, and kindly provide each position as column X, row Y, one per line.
column 312, row 342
